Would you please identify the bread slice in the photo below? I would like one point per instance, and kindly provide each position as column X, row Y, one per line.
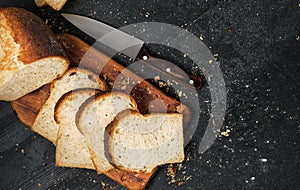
column 92, row 119
column 141, row 142
column 71, row 146
column 30, row 55
column 56, row 4
column 40, row 3
column 74, row 78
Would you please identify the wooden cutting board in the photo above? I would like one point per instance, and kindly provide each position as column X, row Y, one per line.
column 143, row 92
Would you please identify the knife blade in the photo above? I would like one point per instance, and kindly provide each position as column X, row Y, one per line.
column 119, row 41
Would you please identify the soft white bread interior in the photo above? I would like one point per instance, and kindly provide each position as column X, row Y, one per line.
column 71, row 146
column 93, row 118
column 30, row 55
column 56, row 4
column 74, row 78
column 141, row 142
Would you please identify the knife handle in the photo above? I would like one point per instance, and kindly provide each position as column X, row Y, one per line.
column 165, row 70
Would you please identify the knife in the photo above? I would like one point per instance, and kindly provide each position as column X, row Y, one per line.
column 119, row 41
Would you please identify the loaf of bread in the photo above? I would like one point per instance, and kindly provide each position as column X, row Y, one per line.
column 141, row 142
column 30, row 55
column 92, row 119
column 74, row 78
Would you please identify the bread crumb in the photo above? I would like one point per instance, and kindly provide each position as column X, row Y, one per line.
column 180, row 183
column 230, row 30
column 263, row 159
column 180, row 93
column 187, row 178
column 161, row 84
column 226, row 133
column 201, row 37
column 156, row 78
column 39, row 184
column 180, row 166
column 172, row 170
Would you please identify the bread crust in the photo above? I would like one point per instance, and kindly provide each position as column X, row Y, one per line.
column 90, row 100
column 67, row 95
column 35, row 38
column 110, row 129
column 107, row 139
column 88, row 72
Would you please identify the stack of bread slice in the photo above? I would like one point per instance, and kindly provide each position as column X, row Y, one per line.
column 97, row 129
column 107, row 130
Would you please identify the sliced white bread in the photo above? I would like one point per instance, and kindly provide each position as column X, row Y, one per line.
column 71, row 147
column 92, row 120
column 74, row 78
column 56, row 4
column 30, row 55
column 141, row 142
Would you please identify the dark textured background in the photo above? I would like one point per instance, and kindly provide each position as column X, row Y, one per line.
column 258, row 46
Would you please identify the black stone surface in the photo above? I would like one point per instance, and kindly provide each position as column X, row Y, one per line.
column 258, row 47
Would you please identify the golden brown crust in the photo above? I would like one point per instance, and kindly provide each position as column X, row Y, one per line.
column 111, row 127
column 35, row 38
